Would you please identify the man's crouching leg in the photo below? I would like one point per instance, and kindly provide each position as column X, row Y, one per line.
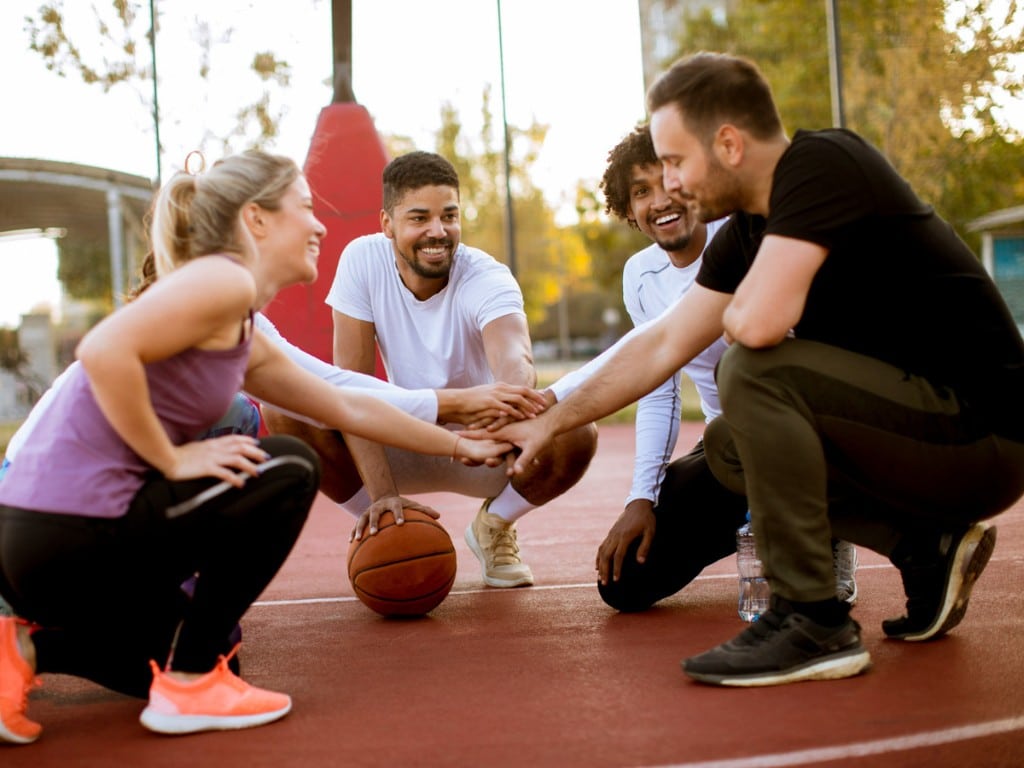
column 339, row 478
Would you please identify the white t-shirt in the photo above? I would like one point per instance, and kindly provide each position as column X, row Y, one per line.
column 650, row 285
column 437, row 343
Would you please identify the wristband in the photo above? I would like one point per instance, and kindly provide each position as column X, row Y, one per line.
column 455, row 448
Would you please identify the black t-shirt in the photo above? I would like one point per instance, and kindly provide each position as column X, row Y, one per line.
column 898, row 284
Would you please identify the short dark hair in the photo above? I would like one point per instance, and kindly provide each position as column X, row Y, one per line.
column 635, row 149
column 413, row 171
column 710, row 89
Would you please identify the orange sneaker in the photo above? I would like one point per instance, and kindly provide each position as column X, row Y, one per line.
column 219, row 700
column 16, row 680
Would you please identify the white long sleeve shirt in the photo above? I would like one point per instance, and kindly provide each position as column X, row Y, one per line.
column 650, row 285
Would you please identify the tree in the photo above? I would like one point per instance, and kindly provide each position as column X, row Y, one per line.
column 14, row 360
column 550, row 260
column 118, row 56
column 922, row 81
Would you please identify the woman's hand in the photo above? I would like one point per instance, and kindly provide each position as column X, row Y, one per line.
column 232, row 458
column 474, row 449
column 481, row 405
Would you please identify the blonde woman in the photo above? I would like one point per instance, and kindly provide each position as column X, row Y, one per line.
column 112, row 503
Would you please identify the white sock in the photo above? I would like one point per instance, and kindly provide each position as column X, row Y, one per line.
column 358, row 504
column 509, row 505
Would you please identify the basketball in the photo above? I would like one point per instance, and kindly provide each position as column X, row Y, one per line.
column 403, row 570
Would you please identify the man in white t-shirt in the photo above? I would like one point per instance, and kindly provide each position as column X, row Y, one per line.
column 678, row 518
column 444, row 316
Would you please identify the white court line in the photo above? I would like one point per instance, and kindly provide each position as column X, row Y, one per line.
column 482, row 590
column 863, row 748
column 779, row 759
column 487, row 590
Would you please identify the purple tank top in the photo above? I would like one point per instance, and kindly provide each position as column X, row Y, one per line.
column 75, row 463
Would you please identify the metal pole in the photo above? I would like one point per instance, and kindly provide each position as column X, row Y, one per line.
column 341, row 40
column 835, row 63
column 510, row 236
column 156, row 100
column 114, row 227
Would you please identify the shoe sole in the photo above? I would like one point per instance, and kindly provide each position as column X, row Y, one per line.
column 972, row 555
column 852, row 599
column 175, row 725
column 478, row 552
column 834, row 667
column 13, row 738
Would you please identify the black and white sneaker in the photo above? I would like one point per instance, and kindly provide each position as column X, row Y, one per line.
column 938, row 583
column 782, row 648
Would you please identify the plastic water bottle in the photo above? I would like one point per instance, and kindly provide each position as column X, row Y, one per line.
column 754, row 591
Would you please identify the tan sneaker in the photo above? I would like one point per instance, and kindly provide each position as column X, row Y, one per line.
column 493, row 541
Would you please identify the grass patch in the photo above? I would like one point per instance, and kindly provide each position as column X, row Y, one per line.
column 691, row 400
column 7, row 430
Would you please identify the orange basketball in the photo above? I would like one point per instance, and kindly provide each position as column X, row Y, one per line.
column 403, row 570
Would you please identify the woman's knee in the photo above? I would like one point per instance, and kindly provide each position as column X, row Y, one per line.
column 292, row 458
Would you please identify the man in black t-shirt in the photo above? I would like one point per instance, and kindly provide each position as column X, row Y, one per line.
column 872, row 388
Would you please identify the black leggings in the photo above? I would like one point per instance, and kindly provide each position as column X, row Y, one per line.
column 696, row 525
column 106, row 593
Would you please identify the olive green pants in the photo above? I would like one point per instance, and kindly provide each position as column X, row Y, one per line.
column 825, row 442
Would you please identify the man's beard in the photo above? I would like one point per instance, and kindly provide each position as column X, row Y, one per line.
column 678, row 244
column 429, row 271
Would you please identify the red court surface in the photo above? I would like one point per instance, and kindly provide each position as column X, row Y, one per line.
column 549, row 676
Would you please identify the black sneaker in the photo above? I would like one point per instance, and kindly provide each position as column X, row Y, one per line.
column 938, row 584
column 782, row 648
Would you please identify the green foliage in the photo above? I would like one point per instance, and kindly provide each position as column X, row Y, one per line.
column 84, row 272
column 610, row 243
column 921, row 81
column 7, row 430
column 11, row 356
column 119, row 61
column 580, row 265
column 14, row 360
column 547, row 258
column 116, row 54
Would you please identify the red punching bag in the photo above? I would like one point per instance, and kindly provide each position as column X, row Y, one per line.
column 343, row 167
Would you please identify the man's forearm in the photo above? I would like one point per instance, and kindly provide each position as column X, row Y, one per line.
column 372, row 465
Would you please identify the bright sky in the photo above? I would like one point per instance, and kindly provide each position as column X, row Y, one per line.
column 570, row 64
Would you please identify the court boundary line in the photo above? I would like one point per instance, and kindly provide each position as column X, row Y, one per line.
column 493, row 591
column 864, row 748
column 815, row 755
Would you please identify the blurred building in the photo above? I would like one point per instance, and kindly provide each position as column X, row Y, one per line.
column 1002, row 253
column 19, row 393
column 90, row 210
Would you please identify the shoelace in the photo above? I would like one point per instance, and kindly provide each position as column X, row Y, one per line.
column 766, row 625
column 222, row 660
column 505, row 549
